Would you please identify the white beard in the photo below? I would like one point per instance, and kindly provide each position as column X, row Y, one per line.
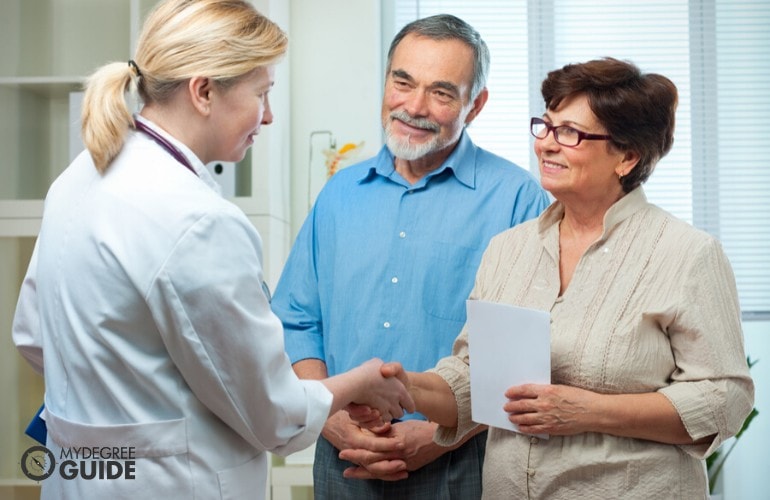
column 403, row 149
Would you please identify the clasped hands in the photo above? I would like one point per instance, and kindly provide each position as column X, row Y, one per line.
column 380, row 391
column 377, row 448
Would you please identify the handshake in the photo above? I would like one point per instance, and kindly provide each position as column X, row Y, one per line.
column 374, row 393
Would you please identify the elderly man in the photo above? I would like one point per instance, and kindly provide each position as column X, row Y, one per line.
column 385, row 260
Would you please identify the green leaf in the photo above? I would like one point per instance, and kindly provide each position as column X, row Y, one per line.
column 747, row 422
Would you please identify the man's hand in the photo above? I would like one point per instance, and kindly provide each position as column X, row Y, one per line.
column 416, row 449
column 345, row 434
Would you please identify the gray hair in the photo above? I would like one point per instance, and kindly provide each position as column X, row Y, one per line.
column 449, row 27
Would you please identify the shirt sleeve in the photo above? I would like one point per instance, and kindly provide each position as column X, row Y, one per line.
column 26, row 321
column 216, row 323
column 711, row 388
column 296, row 300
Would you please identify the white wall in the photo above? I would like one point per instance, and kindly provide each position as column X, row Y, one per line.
column 270, row 162
column 336, row 73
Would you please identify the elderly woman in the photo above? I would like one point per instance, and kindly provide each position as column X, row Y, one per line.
column 647, row 357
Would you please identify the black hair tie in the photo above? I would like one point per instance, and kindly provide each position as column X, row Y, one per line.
column 132, row 65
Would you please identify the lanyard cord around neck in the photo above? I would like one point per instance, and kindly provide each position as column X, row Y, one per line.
column 165, row 144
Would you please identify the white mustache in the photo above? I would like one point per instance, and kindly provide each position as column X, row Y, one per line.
column 415, row 122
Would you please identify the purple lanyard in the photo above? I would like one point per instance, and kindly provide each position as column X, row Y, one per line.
column 163, row 142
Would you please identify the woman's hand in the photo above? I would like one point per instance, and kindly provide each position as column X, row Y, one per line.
column 559, row 410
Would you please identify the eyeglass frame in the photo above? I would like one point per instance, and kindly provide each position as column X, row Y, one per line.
column 553, row 128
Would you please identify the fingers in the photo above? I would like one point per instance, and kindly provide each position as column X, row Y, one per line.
column 399, row 400
column 518, row 406
column 406, row 402
column 525, row 391
column 361, row 412
column 373, row 465
column 391, row 369
column 368, row 418
column 386, row 445
column 381, row 429
column 386, row 394
column 362, row 473
column 366, row 457
column 376, row 426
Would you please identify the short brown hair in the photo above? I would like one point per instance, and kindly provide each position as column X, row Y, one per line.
column 637, row 109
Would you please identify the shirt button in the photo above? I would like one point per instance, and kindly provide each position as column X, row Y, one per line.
column 531, row 472
column 394, row 280
column 402, row 234
column 534, row 440
column 386, row 324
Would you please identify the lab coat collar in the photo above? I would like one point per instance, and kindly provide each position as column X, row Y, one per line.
column 197, row 165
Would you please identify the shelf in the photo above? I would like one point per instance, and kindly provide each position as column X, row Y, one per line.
column 50, row 87
column 54, row 37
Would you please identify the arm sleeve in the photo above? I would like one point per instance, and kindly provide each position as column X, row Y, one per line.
column 455, row 370
column 297, row 298
column 216, row 323
column 711, row 388
column 26, row 321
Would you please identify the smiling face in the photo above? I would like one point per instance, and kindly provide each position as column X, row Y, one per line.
column 585, row 173
column 237, row 113
column 426, row 102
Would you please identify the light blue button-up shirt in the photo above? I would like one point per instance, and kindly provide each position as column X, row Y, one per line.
column 382, row 268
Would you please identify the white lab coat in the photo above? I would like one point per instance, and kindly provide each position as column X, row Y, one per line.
column 143, row 305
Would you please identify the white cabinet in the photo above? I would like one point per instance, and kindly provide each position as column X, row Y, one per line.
column 47, row 48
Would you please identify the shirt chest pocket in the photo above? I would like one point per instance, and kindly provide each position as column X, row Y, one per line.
column 449, row 280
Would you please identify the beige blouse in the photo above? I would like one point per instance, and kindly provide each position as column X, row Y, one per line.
column 652, row 306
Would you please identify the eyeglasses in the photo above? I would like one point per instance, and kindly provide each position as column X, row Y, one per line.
column 563, row 134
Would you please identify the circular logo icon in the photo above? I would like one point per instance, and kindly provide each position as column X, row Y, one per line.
column 38, row 463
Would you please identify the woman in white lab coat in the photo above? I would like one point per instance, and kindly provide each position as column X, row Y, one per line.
column 144, row 305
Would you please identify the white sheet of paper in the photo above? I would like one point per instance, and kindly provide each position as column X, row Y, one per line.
column 508, row 346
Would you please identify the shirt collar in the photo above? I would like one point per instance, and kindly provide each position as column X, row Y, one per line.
column 618, row 212
column 461, row 163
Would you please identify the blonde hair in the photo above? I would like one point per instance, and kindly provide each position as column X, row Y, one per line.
column 220, row 39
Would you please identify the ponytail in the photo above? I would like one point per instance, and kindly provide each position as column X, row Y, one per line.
column 105, row 117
